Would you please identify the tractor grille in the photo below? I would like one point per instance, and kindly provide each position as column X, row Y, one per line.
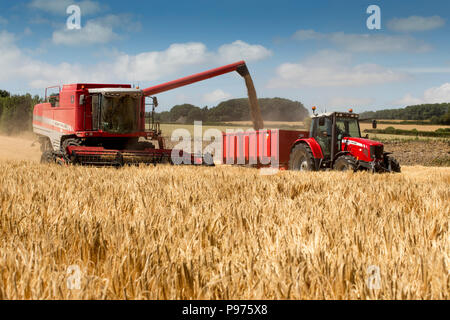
column 376, row 152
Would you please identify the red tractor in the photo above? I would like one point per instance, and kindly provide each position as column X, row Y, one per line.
column 335, row 142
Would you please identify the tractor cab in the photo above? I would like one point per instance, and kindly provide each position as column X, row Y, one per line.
column 329, row 129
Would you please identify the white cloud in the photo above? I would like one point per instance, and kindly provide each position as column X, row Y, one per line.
column 350, row 102
column 426, row 69
column 408, row 100
column 416, row 23
column 307, row 35
column 332, row 69
column 156, row 64
column 59, row 7
column 96, row 31
column 17, row 65
column 239, row 50
column 432, row 95
column 123, row 20
column 366, row 42
column 438, row 94
column 3, row 20
column 215, row 96
column 91, row 33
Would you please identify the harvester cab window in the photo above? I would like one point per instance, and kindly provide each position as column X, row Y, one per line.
column 54, row 100
column 95, row 111
column 119, row 113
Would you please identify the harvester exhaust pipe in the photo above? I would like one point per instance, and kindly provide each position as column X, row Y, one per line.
column 240, row 67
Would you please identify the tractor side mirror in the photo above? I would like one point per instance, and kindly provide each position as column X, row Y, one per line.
column 82, row 99
column 374, row 124
column 321, row 122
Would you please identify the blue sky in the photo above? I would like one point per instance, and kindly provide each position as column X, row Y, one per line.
column 317, row 52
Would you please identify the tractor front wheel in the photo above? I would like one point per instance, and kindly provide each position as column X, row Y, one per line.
column 392, row 164
column 301, row 158
column 344, row 163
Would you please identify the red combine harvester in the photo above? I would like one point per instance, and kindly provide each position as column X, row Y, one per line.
column 333, row 142
column 105, row 124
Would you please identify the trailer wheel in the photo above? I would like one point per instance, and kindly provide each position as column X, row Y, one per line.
column 301, row 158
column 344, row 163
column 393, row 165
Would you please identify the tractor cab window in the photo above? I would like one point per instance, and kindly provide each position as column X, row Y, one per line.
column 120, row 113
column 347, row 127
column 322, row 133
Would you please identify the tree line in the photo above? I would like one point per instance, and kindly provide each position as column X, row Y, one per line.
column 16, row 112
column 437, row 113
column 272, row 109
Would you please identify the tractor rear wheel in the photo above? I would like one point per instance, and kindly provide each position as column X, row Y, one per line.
column 301, row 158
column 392, row 164
column 344, row 163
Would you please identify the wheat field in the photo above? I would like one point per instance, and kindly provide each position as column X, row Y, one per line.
column 184, row 232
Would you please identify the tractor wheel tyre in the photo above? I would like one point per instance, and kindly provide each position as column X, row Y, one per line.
column 393, row 165
column 301, row 158
column 344, row 163
column 47, row 157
